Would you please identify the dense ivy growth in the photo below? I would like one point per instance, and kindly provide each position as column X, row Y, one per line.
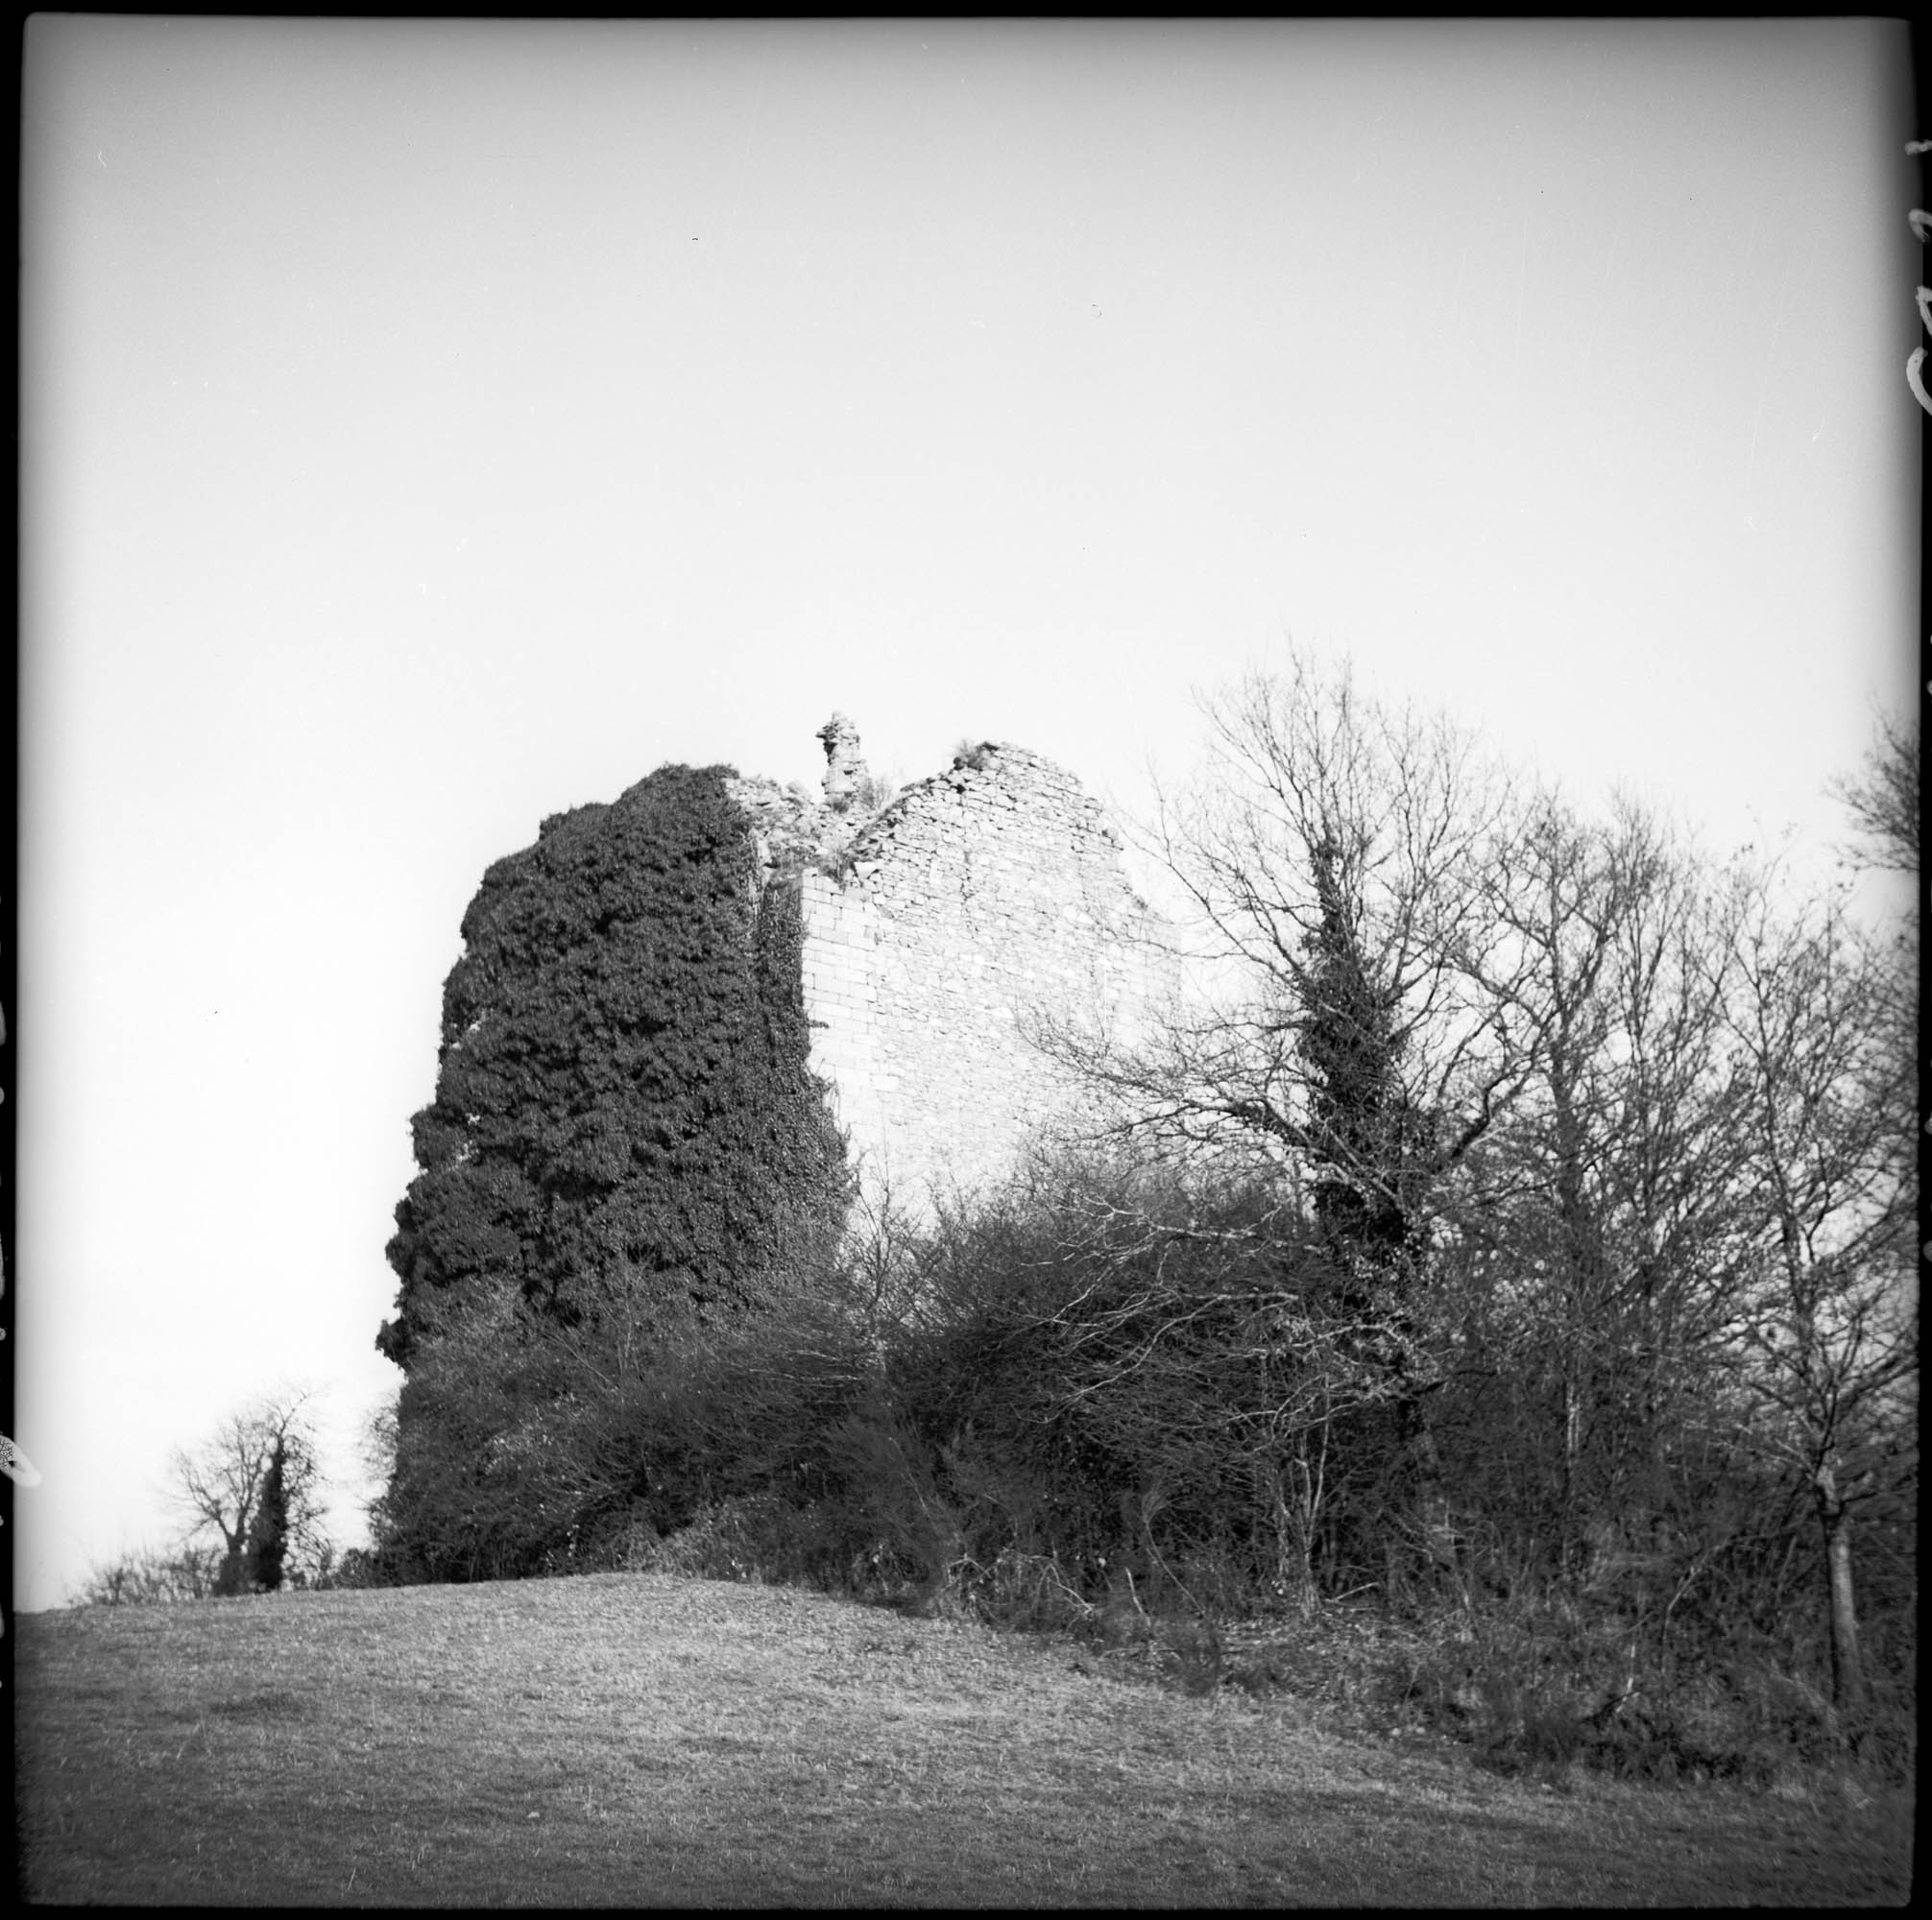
column 623, row 1118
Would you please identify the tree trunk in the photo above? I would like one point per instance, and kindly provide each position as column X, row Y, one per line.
column 1571, row 1555
column 1294, row 1534
column 1848, row 1673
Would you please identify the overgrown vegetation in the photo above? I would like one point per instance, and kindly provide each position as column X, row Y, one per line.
column 1515, row 1240
column 626, row 1146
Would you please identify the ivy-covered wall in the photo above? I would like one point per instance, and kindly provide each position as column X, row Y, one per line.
column 669, row 1007
column 623, row 1111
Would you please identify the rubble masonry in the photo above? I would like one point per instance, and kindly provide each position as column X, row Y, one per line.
column 981, row 903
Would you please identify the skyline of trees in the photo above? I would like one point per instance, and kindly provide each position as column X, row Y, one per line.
column 1629, row 1131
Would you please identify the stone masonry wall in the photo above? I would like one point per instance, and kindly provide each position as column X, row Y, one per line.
column 982, row 899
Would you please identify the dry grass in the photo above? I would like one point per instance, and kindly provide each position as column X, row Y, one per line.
column 635, row 1739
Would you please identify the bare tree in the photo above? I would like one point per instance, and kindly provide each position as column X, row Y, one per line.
column 1348, row 1039
column 220, row 1485
column 1883, row 799
column 1829, row 1340
column 1318, row 813
column 1601, row 1211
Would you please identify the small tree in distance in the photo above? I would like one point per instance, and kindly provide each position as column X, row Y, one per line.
column 255, row 1486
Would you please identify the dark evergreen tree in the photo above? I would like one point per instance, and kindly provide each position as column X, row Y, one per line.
column 1367, row 1141
column 1355, row 1108
column 268, row 1533
column 1369, row 1152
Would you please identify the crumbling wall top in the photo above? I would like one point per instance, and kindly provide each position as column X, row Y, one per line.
column 845, row 767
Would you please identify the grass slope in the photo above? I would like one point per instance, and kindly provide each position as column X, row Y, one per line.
column 635, row 1740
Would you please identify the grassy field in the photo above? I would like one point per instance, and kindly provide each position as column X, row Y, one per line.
column 635, row 1740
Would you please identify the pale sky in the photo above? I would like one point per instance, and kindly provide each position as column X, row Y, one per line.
column 427, row 428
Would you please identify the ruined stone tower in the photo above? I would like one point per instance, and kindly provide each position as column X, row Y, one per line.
column 938, row 935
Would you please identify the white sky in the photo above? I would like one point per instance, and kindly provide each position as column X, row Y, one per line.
column 428, row 428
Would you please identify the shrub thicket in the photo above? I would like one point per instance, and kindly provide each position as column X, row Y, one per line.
column 1133, row 1408
column 150, row 1576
